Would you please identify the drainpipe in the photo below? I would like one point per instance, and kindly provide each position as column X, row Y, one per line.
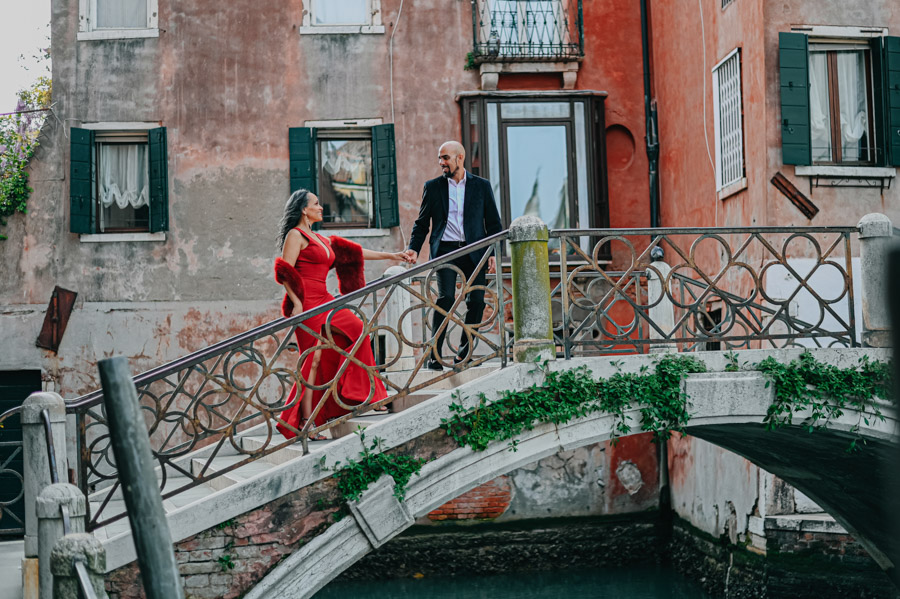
column 650, row 120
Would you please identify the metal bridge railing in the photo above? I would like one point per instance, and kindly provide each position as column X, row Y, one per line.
column 206, row 399
column 713, row 283
column 718, row 283
column 527, row 30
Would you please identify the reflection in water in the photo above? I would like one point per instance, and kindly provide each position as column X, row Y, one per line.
column 633, row 583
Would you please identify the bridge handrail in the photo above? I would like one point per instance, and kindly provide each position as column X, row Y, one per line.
column 221, row 404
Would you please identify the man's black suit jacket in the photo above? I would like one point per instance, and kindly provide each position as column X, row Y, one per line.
column 480, row 216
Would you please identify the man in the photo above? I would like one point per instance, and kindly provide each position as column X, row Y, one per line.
column 459, row 209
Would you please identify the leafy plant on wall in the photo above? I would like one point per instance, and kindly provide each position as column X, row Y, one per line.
column 19, row 138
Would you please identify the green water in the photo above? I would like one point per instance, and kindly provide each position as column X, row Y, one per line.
column 626, row 582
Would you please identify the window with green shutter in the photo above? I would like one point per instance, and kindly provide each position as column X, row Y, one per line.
column 384, row 158
column 793, row 66
column 81, row 184
column 352, row 170
column 119, row 181
column 840, row 100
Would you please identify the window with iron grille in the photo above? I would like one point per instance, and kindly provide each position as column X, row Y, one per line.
column 726, row 3
column 729, row 125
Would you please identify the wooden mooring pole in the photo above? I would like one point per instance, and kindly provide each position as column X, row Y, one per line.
column 131, row 447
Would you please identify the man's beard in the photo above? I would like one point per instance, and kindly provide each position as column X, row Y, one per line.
column 448, row 174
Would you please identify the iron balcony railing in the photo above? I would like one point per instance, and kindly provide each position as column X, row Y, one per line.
column 733, row 287
column 526, row 30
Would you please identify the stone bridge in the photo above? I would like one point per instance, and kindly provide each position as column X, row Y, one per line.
column 726, row 408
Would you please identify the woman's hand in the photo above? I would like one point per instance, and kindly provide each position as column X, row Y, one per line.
column 298, row 308
column 402, row 257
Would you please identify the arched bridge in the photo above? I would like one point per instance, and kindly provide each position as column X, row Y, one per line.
column 211, row 415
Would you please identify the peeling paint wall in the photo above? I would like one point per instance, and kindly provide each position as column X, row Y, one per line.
column 227, row 81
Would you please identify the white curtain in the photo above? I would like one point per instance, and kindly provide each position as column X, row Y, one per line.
column 340, row 12
column 819, row 115
column 124, row 175
column 121, row 14
column 854, row 111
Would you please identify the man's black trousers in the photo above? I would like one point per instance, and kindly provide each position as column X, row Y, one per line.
column 446, row 283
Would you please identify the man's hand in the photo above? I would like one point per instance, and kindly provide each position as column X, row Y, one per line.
column 492, row 265
column 411, row 256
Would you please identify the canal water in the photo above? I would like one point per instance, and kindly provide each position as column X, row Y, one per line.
column 627, row 582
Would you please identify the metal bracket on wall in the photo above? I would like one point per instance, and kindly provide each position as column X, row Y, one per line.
column 880, row 183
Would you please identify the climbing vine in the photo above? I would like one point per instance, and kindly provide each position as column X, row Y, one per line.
column 803, row 384
column 568, row 394
column 19, row 132
column 356, row 476
column 825, row 391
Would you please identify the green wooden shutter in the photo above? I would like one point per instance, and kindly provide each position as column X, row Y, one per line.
column 159, row 181
column 891, row 96
column 384, row 163
column 793, row 62
column 81, row 181
column 302, row 149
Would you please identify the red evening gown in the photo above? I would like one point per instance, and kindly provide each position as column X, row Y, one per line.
column 354, row 386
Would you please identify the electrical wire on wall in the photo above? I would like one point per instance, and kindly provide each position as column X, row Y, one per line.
column 705, row 128
column 391, row 60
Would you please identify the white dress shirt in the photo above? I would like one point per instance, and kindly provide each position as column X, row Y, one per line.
column 457, row 192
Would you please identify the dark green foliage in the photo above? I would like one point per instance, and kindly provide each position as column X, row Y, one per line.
column 355, row 477
column 569, row 394
column 825, row 390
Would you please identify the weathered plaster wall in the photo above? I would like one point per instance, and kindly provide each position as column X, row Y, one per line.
column 227, row 82
column 838, row 206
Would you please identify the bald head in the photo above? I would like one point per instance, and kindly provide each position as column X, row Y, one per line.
column 451, row 157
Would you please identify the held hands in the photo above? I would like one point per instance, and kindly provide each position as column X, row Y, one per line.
column 410, row 256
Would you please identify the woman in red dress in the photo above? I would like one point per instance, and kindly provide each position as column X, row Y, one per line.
column 303, row 267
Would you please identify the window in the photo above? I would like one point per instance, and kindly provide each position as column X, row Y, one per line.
column 538, row 29
column 840, row 104
column 342, row 16
column 119, row 181
column 835, row 105
column 726, row 3
column 728, row 120
column 564, row 183
column 351, row 169
column 114, row 19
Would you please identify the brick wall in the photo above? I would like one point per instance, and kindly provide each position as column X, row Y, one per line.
column 489, row 500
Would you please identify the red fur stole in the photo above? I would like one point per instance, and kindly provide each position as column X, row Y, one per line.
column 349, row 264
column 286, row 274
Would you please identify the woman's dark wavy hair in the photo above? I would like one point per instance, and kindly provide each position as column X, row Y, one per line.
column 293, row 212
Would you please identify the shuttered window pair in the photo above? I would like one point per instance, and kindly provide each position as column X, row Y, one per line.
column 840, row 103
column 118, row 181
column 353, row 172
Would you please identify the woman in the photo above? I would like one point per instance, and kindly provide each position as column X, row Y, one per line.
column 306, row 258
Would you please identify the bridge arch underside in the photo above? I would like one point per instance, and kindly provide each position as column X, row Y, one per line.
column 849, row 485
column 853, row 487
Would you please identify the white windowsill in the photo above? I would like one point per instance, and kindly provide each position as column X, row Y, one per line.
column 116, row 34
column 732, row 188
column 340, row 29
column 862, row 172
column 122, row 237
column 351, row 233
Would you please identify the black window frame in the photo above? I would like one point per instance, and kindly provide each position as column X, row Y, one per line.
column 474, row 106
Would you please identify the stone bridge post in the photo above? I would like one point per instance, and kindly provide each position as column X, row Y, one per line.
column 51, row 525
column 36, row 469
column 875, row 236
column 532, row 320
column 67, row 553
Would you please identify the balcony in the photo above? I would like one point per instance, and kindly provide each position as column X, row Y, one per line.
column 527, row 36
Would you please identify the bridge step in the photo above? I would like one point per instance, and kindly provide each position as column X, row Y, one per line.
column 229, row 478
column 413, row 399
column 286, row 454
column 349, row 427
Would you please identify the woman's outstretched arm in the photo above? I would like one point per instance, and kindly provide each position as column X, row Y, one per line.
column 373, row 255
